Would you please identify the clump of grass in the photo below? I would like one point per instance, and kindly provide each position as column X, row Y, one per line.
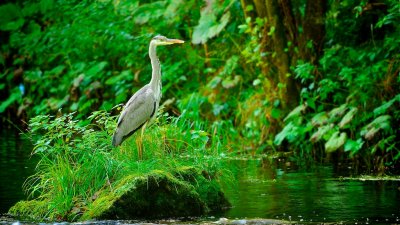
column 79, row 171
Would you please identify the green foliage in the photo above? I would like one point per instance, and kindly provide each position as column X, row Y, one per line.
column 11, row 17
column 83, row 56
column 354, row 106
column 80, row 55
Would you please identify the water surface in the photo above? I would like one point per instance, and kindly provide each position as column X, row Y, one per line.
column 16, row 165
column 259, row 188
column 281, row 191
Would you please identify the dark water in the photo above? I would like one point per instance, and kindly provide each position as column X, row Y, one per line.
column 280, row 191
column 15, row 166
column 260, row 189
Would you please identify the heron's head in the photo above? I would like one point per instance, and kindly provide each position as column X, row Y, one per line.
column 161, row 40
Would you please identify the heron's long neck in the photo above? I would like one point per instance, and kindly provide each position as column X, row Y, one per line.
column 155, row 64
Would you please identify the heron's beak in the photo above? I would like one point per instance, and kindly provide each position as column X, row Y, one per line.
column 174, row 41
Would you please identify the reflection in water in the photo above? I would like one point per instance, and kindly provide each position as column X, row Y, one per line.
column 276, row 191
column 15, row 167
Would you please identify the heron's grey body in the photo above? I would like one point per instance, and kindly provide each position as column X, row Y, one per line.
column 143, row 105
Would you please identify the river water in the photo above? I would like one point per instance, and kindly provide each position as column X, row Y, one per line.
column 318, row 194
column 260, row 188
column 16, row 164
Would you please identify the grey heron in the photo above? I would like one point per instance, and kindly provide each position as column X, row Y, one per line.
column 143, row 105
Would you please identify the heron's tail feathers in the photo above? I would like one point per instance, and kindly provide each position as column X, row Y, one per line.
column 117, row 139
column 121, row 135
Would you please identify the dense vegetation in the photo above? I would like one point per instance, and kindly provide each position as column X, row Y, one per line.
column 319, row 79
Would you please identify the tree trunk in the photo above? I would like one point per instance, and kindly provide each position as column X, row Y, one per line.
column 260, row 8
column 271, row 10
column 281, row 60
column 246, row 13
column 313, row 30
column 285, row 23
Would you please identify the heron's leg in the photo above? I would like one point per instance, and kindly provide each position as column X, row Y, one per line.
column 140, row 144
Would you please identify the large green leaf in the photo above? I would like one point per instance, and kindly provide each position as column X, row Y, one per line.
column 96, row 70
column 379, row 123
column 384, row 107
column 336, row 141
column 319, row 119
column 353, row 146
column 296, row 112
column 338, row 112
column 209, row 25
column 290, row 132
column 321, row 132
column 149, row 11
column 348, row 117
column 122, row 77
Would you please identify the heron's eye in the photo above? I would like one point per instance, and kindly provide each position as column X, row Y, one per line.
column 159, row 37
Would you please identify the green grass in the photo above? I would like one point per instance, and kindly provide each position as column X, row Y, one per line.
column 79, row 170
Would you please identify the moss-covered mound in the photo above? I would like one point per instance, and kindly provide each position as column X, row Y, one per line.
column 156, row 195
column 80, row 176
column 159, row 195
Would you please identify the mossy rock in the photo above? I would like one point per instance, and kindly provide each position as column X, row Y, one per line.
column 158, row 194
column 32, row 210
column 156, row 197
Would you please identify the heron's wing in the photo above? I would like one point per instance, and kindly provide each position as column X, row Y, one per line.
column 139, row 109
